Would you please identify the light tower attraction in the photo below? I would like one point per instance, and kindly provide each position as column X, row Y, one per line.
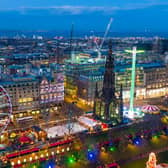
column 133, row 74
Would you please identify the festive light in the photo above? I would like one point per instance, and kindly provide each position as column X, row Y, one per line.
column 24, row 100
column 72, row 159
column 91, row 156
column 50, row 164
column 30, row 159
column 132, row 91
column 155, row 136
column 112, row 149
column 137, row 141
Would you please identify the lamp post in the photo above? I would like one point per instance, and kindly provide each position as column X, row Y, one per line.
column 133, row 74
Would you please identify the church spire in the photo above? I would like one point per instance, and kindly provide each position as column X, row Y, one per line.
column 106, row 105
column 108, row 91
column 109, row 77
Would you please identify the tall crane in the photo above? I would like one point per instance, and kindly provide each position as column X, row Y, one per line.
column 99, row 47
column 72, row 54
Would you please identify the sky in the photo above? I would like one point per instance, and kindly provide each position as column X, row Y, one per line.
column 86, row 15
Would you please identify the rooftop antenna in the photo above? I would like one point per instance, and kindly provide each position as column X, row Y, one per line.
column 71, row 42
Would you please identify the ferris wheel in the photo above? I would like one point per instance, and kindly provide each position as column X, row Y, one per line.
column 5, row 109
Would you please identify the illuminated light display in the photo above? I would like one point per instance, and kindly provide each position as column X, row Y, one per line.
column 137, row 141
column 72, row 159
column 61, row 143
column 24, row 100
column 91, row 155
column 42, row 156
column 19, row 162
column 52, row 91
column 133, row 73
column 112, row 148
column 137, row 112
column 30, row 159
column 155, row 136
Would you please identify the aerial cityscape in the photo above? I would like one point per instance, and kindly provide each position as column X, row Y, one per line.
column 83, row 84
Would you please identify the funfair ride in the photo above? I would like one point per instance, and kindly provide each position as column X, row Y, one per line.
column 5, row 109
column 133, row 75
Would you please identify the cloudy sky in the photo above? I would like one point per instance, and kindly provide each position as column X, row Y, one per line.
column 128, row 15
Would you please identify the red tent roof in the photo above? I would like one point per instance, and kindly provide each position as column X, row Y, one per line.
column 24, row 139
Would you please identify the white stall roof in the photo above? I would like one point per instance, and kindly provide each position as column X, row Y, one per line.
column 62, row 130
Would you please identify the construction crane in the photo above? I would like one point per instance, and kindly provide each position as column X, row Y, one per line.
column 72, row 54
column 99, row 47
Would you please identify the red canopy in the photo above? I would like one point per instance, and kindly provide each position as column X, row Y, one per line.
column 24, row 139
column 150, row 109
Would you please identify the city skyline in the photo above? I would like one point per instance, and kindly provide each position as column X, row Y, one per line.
column 146, row 16
column 83, row 84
